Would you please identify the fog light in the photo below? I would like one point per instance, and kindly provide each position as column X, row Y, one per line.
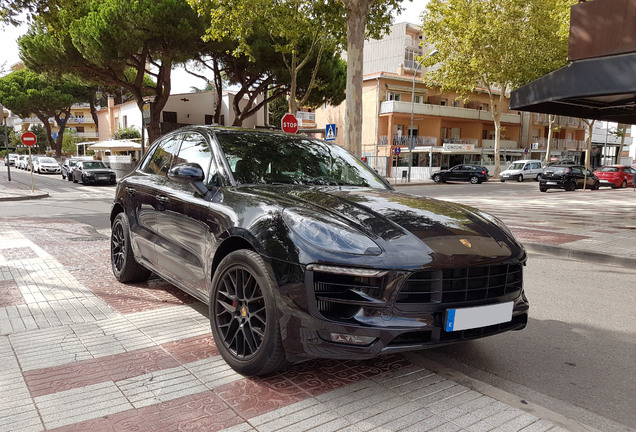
column 351, row 339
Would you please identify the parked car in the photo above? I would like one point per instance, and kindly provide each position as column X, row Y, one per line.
column 94, row 172
column 570, row 177
column 46, row 165
column 521, row 170
column 10, row 159
column 615, row 176
column 472, row 173
column 31, row 162
column 69, row 165
column 22, row 161
column 562, row 163
column 300, row 250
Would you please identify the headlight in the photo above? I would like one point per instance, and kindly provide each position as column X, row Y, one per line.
column 88, row 174
column 328, row 234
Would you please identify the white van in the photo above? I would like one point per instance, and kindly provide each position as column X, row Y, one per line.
column 522, row 169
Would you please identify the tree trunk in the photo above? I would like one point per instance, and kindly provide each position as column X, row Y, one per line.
column 357, row 11
column 551, row 121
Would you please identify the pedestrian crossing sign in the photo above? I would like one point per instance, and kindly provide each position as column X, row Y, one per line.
column 330, row 132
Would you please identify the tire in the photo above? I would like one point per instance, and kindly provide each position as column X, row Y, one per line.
column 475, row 180
column 125, row 268
column 69, row 177
column 538, row 177
column 502, row 180
column 244, row 317
column 543, row 189
column 571, row 186
column 520, row 178
column 597, row 185
column 63, row 176
column 74, row 180
column 437, row 178
column 624, row 184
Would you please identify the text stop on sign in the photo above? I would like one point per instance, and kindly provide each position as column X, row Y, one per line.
column 289, row 123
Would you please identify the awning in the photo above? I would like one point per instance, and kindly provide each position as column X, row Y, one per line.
column 115, row 145
column 601, row 88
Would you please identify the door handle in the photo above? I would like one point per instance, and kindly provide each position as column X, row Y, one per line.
column 162, row 199
column 130, row 190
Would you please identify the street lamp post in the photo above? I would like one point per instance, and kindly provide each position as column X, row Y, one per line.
column 5, row 114
column 411, row 143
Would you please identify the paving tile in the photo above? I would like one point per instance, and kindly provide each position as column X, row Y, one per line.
column 76, row 405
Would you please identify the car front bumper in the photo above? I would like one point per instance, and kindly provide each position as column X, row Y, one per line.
column 350, row 318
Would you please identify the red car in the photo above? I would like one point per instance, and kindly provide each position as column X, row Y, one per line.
column 615, row 175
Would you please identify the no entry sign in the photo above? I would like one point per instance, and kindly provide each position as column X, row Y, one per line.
column 289, row 123
column 29, row 138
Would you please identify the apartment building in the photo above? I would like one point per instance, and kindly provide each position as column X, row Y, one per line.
column 79, row 121
column 447, row 129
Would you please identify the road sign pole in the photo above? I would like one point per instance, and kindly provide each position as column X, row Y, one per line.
column 31, row 163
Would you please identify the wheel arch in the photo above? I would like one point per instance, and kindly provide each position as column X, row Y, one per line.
column 228, row 246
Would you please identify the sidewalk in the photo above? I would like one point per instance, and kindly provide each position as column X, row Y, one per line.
column 83, row 352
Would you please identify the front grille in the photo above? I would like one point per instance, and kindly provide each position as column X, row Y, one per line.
column 339, row 297
column 461, row 285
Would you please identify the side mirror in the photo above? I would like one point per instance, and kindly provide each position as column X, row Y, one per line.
column 189, row 173
column 186, row 173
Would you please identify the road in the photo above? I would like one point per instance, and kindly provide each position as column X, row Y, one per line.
column 576, row 355
column 67, row 200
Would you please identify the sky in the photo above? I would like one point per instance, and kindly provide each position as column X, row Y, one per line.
column 182, row 81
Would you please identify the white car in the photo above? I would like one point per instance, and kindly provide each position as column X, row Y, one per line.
column 11, row 158
column 523, row 169
column 46, row 165
column 22, row 161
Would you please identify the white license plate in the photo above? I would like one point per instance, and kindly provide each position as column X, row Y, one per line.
column 551, row 183
column 103, row 177
column 480, row 316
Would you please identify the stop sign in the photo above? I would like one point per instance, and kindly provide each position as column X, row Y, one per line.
column 29, row 138
column 289, row 123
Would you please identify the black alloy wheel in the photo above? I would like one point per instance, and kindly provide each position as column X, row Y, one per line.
column 244, row 317
column 122, row 260
column 570, row 186
column 543, row 189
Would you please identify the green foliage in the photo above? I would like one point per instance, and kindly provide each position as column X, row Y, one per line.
column 69, row 141
column 500, row 44
column 277, row 109
column 116, row 43
column 127, row 133
column 42, row 138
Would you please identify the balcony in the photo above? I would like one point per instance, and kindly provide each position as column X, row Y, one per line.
column 562, row 121
column 503, row 144
column 404, row 140
column 87, row 134
column 79, row 120
column 395, row 107
column 558, row 144
column 306, row 116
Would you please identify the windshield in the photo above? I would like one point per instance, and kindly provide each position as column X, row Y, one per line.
column 46, row 160
column 93, row 165
column 261, row 158
column 516, row 166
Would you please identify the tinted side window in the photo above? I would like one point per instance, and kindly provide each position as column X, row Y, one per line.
column 159, row 162
column 195, row 149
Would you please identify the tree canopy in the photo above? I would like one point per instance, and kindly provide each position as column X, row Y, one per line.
column 496, row 45
column 117, row 43
column 25, row 92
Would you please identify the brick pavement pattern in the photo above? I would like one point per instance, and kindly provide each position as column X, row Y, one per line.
column 81, row 351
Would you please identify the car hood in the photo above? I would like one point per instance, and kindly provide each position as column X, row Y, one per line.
column 412, row 230
column 98, row 171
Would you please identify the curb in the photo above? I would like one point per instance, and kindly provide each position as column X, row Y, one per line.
column 579, row 255
column 24, row 197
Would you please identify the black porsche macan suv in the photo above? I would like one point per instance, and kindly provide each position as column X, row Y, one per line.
column 302, row 251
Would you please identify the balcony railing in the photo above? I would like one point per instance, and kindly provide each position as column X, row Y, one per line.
column 404, row 140
column 87, row 134
column 559, row 144
column 503, row 144
column 391, row 107
column 544, row 119
column 308, row 116
column 79, row 120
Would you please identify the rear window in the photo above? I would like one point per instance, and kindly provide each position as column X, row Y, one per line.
column 556, row 170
